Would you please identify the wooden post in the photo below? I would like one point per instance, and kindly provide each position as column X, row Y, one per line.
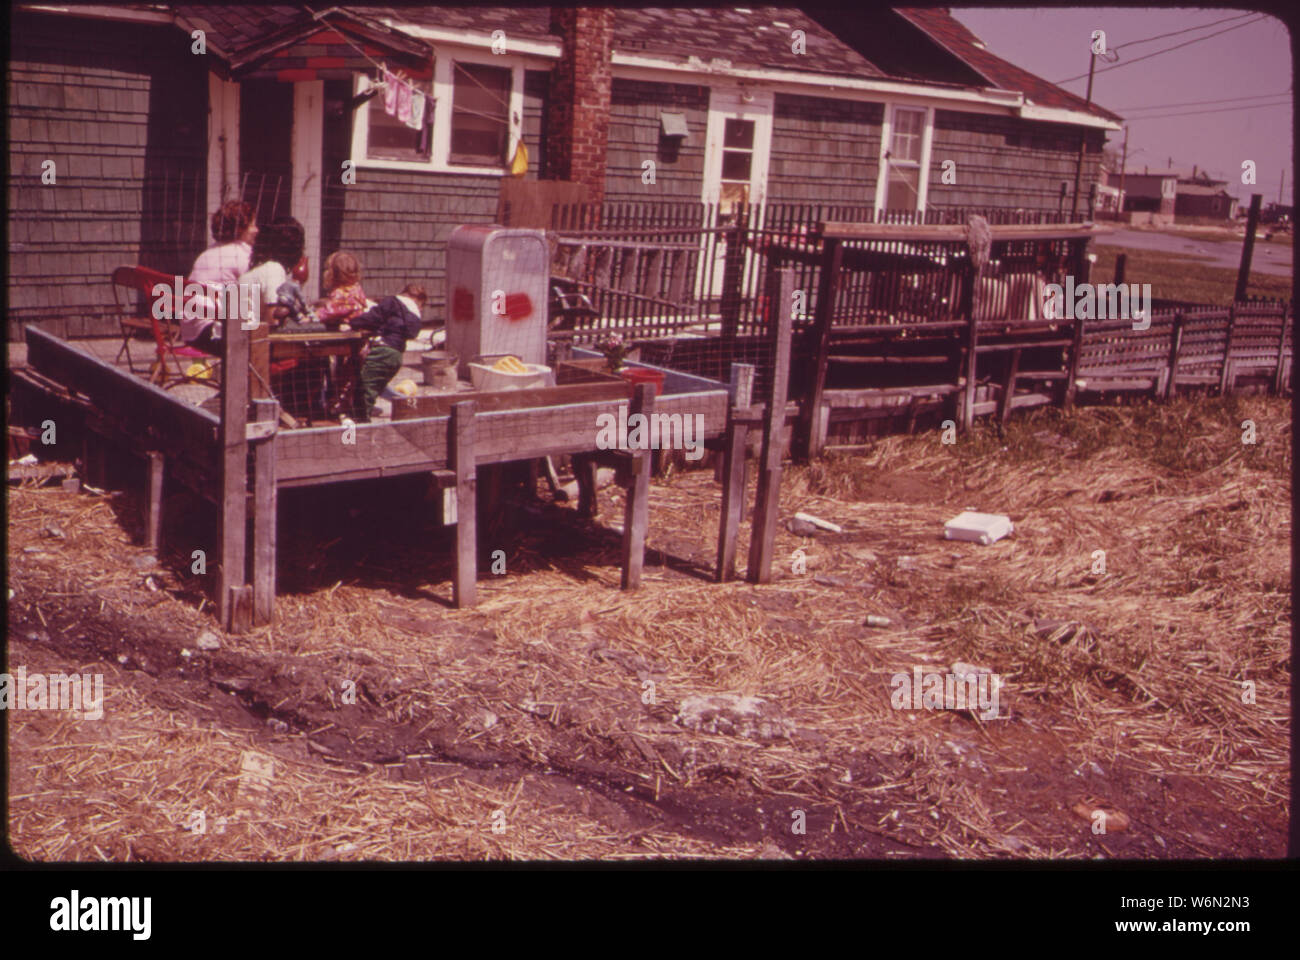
column 1248, row 247
column 265, row 512
column 1175, row 345
column 1225, row 374
column 733, row 498
column 970, row 277
column 1121, row 262
column 636, row 512
column 584, row 471
column 767, row 502
column 234, row 472
column 259, row 357
column 153, row 520
column 1281, row 353
column 827, row 289
column 740, row 387
column 733, row 470
column 1008, row 389
column 465, row 583
column 1083, row 269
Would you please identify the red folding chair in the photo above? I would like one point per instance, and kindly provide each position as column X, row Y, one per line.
column 131, row 310
column 171, row 356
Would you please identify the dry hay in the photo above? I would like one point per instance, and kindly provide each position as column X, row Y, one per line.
column 1196, row 599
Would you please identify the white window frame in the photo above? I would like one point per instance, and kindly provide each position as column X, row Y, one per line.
column 886, row 140
column 441, row 105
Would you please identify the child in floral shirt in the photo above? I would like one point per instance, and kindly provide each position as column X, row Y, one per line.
column 344, row 297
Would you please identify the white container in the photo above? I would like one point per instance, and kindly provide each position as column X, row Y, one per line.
column 982, row 528
column 485, row 378
column 497, row 284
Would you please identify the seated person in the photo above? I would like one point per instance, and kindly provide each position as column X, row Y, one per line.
column 301, row 318
column 344, row 297
column 277, row 251
column 234, row 227
column 394, row 321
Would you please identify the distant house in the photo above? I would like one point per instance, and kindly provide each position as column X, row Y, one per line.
column 1151, row 192
column 1204, row 200
column 1274, row 212
column 153, row 114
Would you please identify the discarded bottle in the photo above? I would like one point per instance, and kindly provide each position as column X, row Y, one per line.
column 875, row 621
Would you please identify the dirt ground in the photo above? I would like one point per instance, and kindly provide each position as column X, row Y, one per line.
column 550, row 722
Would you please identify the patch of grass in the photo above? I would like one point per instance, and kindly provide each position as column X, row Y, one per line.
column 1175, row 276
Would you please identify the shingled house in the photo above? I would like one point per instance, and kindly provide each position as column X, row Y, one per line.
column 151, row 114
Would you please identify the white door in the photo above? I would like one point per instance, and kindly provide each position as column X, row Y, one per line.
column 737, row 147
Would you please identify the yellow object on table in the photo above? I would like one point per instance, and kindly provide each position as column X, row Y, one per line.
column 406, row 388
column 509, row 365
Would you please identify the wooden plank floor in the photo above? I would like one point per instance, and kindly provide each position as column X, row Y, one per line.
column 142, row 353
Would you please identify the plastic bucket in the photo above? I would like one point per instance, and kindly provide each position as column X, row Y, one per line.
column 635, row 375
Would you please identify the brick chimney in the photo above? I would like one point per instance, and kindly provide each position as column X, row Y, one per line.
column 578, row 118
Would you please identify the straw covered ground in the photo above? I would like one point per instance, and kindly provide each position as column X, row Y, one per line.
column 561, row 719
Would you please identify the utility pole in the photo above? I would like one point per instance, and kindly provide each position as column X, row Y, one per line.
column 1281, row 183
column 1083, row 141
column 1123, row 168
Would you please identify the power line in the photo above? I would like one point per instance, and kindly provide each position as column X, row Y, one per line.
column 1177, row 46
column 1191, row 113
column 1197, row 103
column 1161, row 36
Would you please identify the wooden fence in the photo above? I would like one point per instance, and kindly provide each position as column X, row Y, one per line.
column 651, row 270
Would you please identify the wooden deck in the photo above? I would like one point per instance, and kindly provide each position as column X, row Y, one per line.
column 231, row 450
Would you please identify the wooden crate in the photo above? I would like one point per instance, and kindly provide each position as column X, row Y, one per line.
column 576, row 381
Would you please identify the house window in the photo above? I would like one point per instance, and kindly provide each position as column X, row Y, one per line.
column 390, row 139
column 480, row 114
column 737, row 162
column 904, row 171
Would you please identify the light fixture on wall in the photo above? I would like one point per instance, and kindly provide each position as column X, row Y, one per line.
column 746, row 95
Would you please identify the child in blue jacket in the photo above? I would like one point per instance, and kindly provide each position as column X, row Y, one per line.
column 394, row 321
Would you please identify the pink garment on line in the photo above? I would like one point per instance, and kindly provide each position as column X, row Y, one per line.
column 404, row 103
column 390, row 94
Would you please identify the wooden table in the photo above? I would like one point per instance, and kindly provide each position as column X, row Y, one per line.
column 346, row 345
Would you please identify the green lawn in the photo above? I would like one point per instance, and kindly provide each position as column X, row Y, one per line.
column 1176, row 276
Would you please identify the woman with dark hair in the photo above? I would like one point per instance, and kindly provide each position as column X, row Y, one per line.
column 234, row 228
column 276, row 253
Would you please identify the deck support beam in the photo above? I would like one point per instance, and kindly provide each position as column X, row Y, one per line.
column 231, row 574
column 153, row 519
column 461, row 445
column 636, row 513
column 265, row 511
column 767, row 501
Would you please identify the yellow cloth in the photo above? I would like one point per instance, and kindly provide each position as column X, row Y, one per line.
column 519, row 165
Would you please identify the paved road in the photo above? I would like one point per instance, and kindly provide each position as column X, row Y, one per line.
column 1270, row 258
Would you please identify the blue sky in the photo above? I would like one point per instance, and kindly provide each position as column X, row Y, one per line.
column 1251, row 61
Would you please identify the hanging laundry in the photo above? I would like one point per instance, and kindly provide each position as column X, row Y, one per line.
column 417, row 111
column 404, row 103
column 390, row 94
column 426, row 130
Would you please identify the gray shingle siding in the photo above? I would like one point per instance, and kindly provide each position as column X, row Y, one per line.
column 824, row 150
column 634, row 137
column 81, row 95
column 397, row 223
column 1006, row 161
